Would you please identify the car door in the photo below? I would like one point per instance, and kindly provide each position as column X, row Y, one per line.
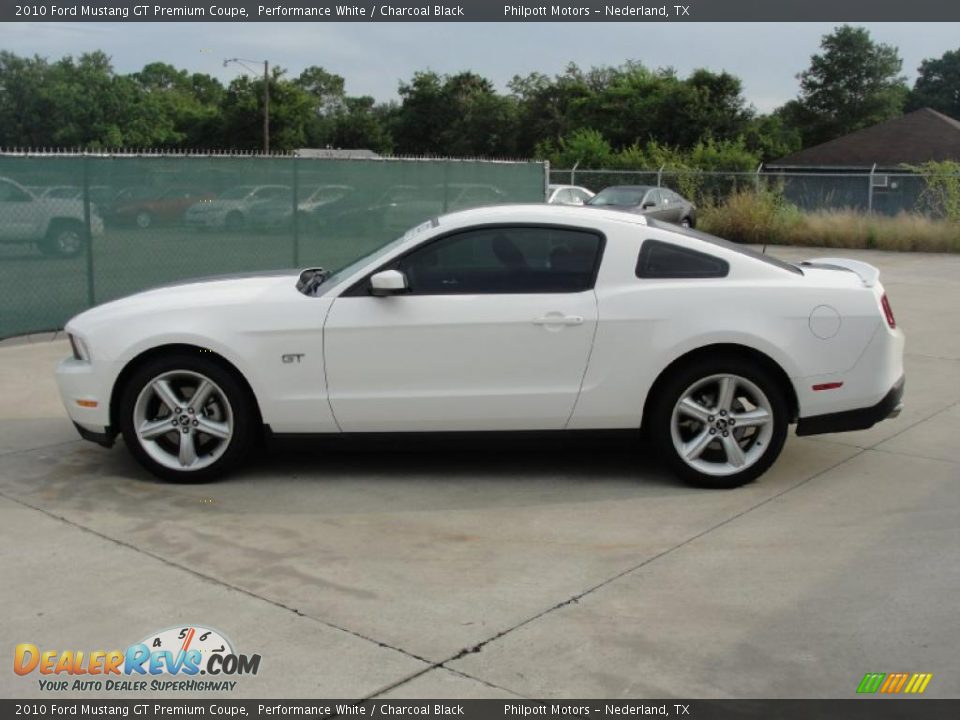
column 493, row 334
column 653, row 205
column 19, row 213
column 672, row 204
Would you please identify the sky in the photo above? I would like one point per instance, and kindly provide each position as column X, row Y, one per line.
column 375, row 57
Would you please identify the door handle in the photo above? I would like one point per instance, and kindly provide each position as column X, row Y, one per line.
column 558, row 319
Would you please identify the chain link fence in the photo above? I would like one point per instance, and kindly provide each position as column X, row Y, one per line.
column 79, row 230
column 877, row 192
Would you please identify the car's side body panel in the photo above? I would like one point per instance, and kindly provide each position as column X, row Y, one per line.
column 458, row 362
column 422, row 363
column 655, row 322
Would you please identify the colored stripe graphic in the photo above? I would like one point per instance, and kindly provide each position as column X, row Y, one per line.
column 918, row 683
column 894, row 683
column 871, row 682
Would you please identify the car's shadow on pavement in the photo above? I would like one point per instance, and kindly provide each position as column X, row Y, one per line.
column 510, row 457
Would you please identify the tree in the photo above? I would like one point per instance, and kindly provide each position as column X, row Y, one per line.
column 460, row 115
column 852, row 84
column 291, row 111
column 772, row 136
column 938, row 85
column 361, row 124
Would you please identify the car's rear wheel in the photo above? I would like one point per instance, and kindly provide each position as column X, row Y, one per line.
column 144, row 219
column 186, row 418
column 720, row 422
column 686, row 221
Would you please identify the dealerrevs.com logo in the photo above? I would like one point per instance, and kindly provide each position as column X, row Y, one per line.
column 170, row 660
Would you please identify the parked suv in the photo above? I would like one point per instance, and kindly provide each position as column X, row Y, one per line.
column 55, row 225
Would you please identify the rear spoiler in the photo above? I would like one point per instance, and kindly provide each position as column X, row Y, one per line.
column 867, row 272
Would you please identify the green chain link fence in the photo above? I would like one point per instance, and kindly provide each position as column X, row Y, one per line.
column 79, row 230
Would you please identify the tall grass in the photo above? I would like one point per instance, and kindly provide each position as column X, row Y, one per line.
column 764, row 217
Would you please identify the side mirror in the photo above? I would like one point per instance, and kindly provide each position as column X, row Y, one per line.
column 648, row 204
column 388, row 282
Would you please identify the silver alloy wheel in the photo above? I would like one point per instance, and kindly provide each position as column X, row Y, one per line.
column 144, row 219
column 722, row 425
column 685, row 222
column 68, row 242
column 183, row 420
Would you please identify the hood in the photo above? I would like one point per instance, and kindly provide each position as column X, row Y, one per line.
column 187, row 296
column 214, row 205
column 61, row 206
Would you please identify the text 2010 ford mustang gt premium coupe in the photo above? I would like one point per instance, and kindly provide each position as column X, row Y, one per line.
column 504, row 318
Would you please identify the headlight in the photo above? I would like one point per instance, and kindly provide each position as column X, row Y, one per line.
column 80, row 350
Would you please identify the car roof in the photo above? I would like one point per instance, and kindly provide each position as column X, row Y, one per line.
column 628, row 187
column 538, row 213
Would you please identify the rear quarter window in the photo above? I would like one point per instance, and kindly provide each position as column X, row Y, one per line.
column 659, row 259
column 726, row 245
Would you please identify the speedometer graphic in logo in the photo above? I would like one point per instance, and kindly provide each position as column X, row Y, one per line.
column 183, row 639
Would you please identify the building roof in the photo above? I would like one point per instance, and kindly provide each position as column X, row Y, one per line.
column 336, row 153
column 911, row 139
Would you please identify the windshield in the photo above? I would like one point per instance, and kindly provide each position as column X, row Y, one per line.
column 401, row 194
column 346, row 271
column 619, row 197
column 237, row 193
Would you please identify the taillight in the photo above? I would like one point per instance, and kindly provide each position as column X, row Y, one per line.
column 888, row 312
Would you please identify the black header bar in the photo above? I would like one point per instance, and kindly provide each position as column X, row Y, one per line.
column 481, row 11
column 877, row 708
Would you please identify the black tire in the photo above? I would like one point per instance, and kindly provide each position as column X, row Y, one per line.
column 766, row 444
column 687, row 222
column 64, row 238
column 242, row 408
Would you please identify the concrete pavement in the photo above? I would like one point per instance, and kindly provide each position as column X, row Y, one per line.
column 555, row 570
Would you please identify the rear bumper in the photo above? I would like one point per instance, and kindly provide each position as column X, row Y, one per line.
column 859, row 419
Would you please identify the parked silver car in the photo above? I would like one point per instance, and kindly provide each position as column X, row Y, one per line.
column 568, row 195
column 656, row 202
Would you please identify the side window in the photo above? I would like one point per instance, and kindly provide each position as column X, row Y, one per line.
column 663, row 260
column 11, row 193
column 504, row 260
column 565, row 197
column 580, row 196
column 652, row 199
column 270, row 193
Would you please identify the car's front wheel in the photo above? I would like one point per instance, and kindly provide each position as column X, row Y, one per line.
column 186, row 418
column 65, row 238
column 720, row 423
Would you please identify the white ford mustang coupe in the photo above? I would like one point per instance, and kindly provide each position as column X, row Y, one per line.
column 507, row 318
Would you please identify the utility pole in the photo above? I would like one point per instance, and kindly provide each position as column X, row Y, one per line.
column 266, row 107
column 266, row 96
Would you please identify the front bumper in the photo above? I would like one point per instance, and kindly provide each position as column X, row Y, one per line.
column 859, row 419
column 86, row 400
column 105, row 438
